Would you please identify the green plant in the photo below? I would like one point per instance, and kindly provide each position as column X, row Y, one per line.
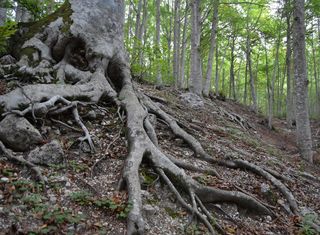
column 78, row 167
column 307, row 220
column 33, row 199
column 81, row 197
column 6, row 32
column 120, row 208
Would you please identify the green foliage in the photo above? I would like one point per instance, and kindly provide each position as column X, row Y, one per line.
column 307, row 220
column 6, row 32
column 120, row 208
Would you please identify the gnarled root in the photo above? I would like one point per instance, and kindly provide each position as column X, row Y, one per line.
column 11, row 157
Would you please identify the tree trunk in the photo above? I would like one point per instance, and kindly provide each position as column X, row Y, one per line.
column 89, row 52
column 216, row 79
column 290, row 104
column 158, row 21
column 183, row 49
column 3, row 12
column 207, row 85
column 304, row 140
column 176, row 43
column 274, row 74
column 232, row 91
column 195, row 85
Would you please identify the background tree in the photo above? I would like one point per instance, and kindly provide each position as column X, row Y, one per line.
column 304, row 140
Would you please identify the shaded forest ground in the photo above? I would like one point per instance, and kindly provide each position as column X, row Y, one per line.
column 82, row 199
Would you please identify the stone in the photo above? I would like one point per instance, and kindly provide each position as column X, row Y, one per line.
column 48, row 154
column 7, row 59
column 192, row 100
column 4, row 179
column 264, row 188
column 18, row 134
column 149, row 210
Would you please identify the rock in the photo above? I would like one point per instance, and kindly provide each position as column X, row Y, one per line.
column 192, row 100
column 7, row 59
column 149, row 210
column 264, row 188
column 4, row 179
column 51, row 153
column 92, row 115
column 18, row 133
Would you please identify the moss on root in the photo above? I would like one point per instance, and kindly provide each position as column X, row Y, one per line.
column 28, row 30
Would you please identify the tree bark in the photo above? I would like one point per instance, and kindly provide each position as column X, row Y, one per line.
column 195, row 85
column 158, row 22
column 3, row 12
column 290, row 104
column 176, row 43
column 207, row 85
column 232, row 91
column 183, row 49
column 303, row 131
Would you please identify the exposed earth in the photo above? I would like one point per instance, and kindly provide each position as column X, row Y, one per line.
column 82, row 198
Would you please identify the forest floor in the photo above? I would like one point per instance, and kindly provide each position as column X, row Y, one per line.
column 81, row 197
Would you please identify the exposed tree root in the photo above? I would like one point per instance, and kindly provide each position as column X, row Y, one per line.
column 103, row 72
column 11, row 157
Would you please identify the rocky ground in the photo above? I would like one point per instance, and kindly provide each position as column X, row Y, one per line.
column 81, row 196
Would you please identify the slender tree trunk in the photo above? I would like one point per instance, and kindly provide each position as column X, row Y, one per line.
column 158, row 22
column 183, row 49
column 216, row 80
column 304, row 140
column 245, row 92
column 169, row 40
column 137, row 37
column 274, row 75
column 176, row 42
column 196, row 73
column 207, row 85
column 3, row 12
column 232, row 92
column 252, row 85
column 315, row 76
column 290, row 104
column 142, row 32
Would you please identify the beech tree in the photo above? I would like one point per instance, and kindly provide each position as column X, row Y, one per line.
column 303, row 131
column 84, row 50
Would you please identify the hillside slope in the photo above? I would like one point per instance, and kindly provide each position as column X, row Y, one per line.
column 82, row 196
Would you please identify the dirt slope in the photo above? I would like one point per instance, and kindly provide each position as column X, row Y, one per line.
column 81, row 197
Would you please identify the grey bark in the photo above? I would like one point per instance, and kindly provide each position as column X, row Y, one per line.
column 207, row 85
column 232, row 91
column 176, row 42
column 195, row 85
column 290, row 104
column 158, row 21
column 183, row 49
column 3, row 12
column 271, row 92
column 303, row 131
column 251, row 78
column 142, row 32
column 216, row 79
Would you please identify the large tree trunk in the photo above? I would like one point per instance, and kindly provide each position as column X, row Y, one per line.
column 84, row 49
column 304, row 140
